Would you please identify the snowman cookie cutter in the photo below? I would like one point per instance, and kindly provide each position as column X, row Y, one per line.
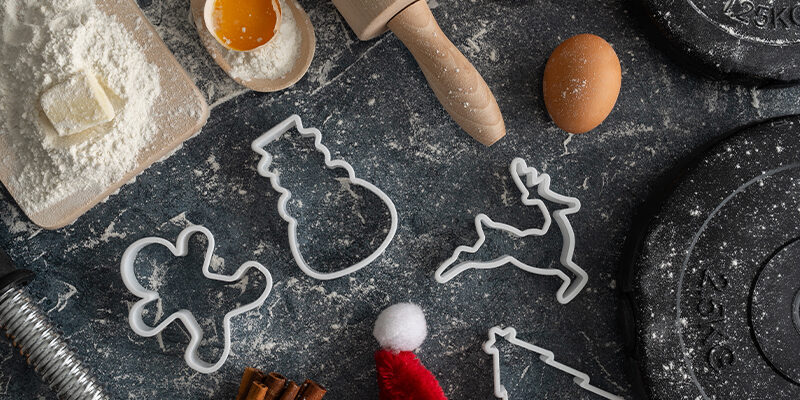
column 527, row 177
column 181, row 249
column 264, row 164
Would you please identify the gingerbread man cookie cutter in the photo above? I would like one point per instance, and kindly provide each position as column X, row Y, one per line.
column 181, row 249
column 264, row 164
column 548, row 357
column 525, row 177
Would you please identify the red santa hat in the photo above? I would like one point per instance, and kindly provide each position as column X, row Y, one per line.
column 401, row 329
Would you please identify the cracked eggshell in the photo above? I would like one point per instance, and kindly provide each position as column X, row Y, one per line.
column 581, row 83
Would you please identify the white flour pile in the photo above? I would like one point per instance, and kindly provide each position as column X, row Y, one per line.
column 273, row 60
column 44, row 43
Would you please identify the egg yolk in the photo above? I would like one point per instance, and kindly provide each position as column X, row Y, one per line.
column 246, row 24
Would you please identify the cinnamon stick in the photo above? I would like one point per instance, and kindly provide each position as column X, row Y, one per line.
column 311, row 391
column 255, row 385
column 257, row 391
column 250, row 375
column 274, row 383
column 291, row 391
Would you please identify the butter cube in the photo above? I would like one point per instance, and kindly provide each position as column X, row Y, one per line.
column 77, row 104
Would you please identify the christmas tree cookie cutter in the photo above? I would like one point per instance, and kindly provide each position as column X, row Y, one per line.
column 527, row 177
column 273, row 134
column 510, row 334
column 181, row 249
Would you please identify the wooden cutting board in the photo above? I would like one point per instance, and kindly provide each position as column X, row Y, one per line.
column 175, row 114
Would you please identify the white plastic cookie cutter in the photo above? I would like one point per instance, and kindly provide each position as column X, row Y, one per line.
column 510, row 335
column 264, row 170
column 181, row 249
column 526, row 177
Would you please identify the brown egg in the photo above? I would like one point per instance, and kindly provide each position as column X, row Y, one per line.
column 581, row 83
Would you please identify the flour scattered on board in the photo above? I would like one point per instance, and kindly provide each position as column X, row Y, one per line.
column 44, row 44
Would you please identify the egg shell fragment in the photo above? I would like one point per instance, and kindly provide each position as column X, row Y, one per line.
column 581, row 83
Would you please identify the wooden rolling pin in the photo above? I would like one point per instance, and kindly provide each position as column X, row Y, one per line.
column 459, row 87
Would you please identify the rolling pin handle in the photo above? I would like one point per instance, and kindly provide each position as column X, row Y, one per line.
column 455, row 81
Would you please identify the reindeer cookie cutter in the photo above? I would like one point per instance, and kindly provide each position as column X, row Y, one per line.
column 525, row 177
column 273, row 134
column 181, row 249
column 548, row 357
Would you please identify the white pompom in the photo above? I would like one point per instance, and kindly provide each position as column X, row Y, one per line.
column 401, row 327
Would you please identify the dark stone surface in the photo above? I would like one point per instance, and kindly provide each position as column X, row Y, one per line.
column 375, row 111
column 716, row 275
column 749, row 39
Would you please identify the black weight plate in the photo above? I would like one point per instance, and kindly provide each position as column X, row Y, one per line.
column 775, row 296
column 714, row 283
column 748, row 39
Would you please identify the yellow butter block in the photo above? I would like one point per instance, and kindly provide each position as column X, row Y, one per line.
column 77, row 104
